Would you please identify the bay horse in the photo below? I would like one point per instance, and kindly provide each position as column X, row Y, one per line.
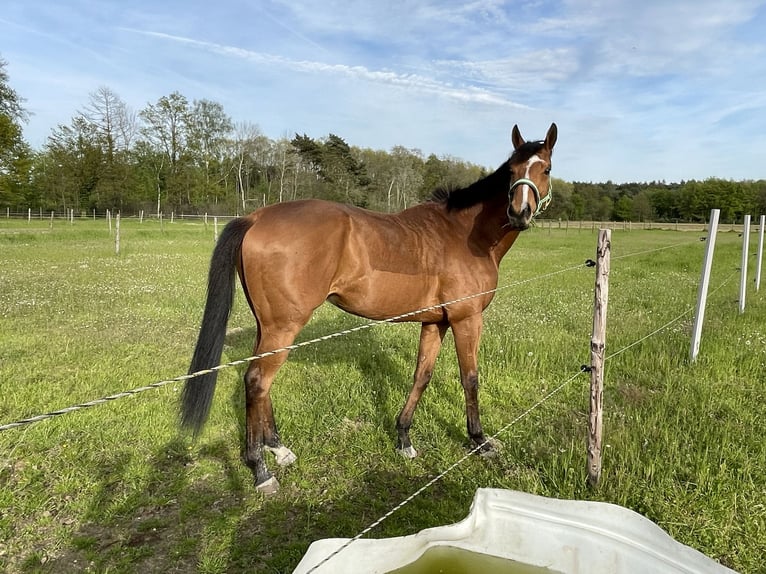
column 293, row 256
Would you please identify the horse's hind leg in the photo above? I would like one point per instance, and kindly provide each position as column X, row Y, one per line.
column 431, row 337
column 260, row 426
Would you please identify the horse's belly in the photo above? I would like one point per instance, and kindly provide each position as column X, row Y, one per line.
column 382, row 295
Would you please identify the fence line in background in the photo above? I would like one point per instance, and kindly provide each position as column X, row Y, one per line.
column 368, row 325
column 319, row 339
column 542, row 223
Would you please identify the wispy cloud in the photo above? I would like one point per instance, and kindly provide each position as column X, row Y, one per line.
column 414, row 82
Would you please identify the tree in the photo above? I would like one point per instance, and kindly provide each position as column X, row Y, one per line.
column 166, row 130
column 113, row 127
column 604, row 209
column 286, row 164
column 642, row 207
column 339, row 173
column 561, row 206
column 623, row 208
column 15, row 154
column 249, row 147
column 407, row 177
column 208, row 128
column 74, row 161
column 664, row 204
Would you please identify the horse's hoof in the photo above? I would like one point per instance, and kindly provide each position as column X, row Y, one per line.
column 283, row 455
column 490, row 448
column 408, row 452
column 268, row 487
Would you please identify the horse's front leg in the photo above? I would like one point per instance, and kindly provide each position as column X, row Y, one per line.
column 467, row 335
column 431, row 337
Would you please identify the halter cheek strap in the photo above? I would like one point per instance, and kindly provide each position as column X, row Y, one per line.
column 541, row 203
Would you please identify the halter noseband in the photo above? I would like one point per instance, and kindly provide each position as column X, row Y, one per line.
column 541, row 203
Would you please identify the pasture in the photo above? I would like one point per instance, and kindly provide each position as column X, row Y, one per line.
column 117, row 487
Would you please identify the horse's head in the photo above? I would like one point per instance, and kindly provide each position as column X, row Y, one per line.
column 530, row 183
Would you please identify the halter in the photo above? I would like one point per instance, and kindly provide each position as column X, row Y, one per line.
column 541, row 203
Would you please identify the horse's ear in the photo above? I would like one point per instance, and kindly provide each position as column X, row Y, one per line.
column 516, row 138
column 550, row 137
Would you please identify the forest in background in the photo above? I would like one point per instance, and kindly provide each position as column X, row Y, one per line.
column 190, row 157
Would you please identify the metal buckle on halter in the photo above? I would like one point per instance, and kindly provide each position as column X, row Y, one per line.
column 540, row 203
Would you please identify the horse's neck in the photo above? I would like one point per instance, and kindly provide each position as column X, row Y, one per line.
column 505, row 243
column 490, row 229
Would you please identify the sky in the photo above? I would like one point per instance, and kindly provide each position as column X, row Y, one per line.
column 640, row 91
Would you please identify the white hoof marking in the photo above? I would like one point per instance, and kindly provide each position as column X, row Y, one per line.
column 284, row 455
column 408, row 452
column 270, row 486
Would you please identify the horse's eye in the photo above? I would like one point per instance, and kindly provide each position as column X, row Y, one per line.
column 548, row 171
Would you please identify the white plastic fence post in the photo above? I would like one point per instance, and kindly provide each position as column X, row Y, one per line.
column 745, row 249
column 760, row 253
column 699, row 314
column 117, row 234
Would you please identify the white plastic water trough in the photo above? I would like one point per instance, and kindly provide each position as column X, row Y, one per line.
column 562, row 536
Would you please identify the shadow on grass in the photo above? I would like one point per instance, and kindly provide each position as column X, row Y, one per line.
column 380, row 368
column 387, row 371
column 187, row 512
column 169, row 523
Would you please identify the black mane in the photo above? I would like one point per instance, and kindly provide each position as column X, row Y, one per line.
column 497, row 182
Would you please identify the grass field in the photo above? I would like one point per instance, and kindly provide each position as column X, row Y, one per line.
column 117, row 488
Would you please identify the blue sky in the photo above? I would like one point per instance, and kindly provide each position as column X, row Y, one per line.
column 640, row 91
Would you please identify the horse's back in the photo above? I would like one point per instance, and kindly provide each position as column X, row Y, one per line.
column 298, row 254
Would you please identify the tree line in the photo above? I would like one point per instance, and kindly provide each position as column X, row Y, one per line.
column 182, row 156
column 686, row 201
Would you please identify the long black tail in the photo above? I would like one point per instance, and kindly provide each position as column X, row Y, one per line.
column 197, row 394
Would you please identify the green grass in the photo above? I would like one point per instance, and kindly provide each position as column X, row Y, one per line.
column 117, row 488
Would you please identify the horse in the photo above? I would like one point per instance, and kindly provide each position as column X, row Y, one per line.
column 291, row 257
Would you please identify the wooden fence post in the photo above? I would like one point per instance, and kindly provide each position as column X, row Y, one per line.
column 597, row 346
